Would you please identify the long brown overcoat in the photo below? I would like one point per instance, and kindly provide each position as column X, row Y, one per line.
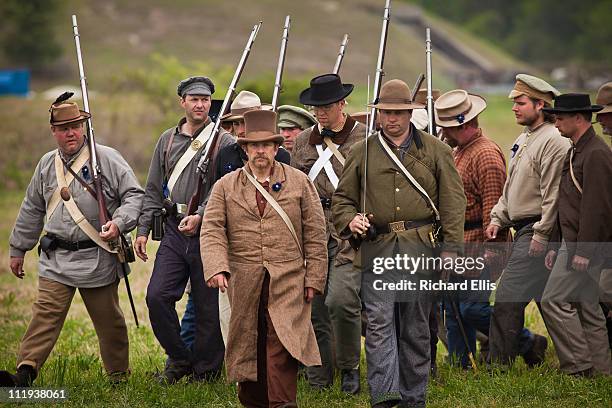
column 236, row 239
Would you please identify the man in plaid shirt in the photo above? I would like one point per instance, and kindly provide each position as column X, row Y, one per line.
column 482, row 167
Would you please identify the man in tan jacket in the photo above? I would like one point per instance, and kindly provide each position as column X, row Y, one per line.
column 529, row 205
column 263, row 240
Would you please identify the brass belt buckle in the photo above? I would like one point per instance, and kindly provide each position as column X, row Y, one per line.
column 181, row 209
column 397, row 226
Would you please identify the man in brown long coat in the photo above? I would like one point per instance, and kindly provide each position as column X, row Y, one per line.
column 263, row 239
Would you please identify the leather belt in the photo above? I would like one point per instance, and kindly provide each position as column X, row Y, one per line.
column 520, row 224
column 400, row 226
column 75, row 245
column 472, row 225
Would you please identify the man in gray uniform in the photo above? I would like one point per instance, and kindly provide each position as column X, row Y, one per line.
column 173, row 179
column 72, row 258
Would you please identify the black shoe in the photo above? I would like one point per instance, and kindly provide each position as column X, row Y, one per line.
column 206, row 377
column 588, row 373
column 537, row 353
column 386, row 404
column 118, row 378
column 350, row 381
column 174, row 371
column 25, row 376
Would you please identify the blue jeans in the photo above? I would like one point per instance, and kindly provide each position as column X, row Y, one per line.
column 188, row 323
column 475, row 316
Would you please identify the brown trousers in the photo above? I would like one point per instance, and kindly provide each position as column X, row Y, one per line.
column 48, row 315
column 276, row 384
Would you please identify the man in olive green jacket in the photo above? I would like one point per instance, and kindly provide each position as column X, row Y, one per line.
column 398, row 357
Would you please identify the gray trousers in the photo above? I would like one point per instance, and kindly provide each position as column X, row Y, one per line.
column 336, row 319
column 523, row 279
column 574, row 318
column 398, row 350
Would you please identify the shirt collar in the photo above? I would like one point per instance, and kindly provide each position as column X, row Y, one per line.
column 413, row 135
column 339, row 138
column 584, row 139
column 177, row 130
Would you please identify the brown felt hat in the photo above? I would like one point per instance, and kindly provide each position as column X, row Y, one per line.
column 395, row 95
column 67, row 113
column 421, row 96
column 260, row 126
column 604, row 98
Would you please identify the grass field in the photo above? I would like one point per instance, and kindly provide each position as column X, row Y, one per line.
column 75, row 364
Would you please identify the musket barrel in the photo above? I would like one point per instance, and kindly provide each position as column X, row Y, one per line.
column 83, row 82
column 430, row 112
column 232, row 86
column 341, row 53
column 281, row 63
column 380, row 64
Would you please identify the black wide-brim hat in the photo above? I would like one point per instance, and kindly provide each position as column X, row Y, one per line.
column 325, row 89
column 573, row 102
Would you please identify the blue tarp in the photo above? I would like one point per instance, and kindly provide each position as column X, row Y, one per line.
column 15, row 82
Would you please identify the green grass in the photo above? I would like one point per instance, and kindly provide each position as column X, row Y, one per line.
column 75, row 364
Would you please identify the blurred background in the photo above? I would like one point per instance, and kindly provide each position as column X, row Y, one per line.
column 136, row 52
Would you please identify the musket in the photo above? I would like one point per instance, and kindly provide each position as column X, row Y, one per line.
column 379, row 65
column 281, row 63
column 103, row 214
column 417, row 86
column 341, row 54
column 431, row 124
column 205, row 161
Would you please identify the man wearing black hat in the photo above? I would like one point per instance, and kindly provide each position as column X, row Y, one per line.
column 584, row 231
column 171, row 183
column 320, row 152
column 73, row 254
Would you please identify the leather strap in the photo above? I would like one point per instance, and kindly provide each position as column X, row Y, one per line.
column 578, row 186
column 189, row 155
column 409, row 176
column 78, row 163
column 276, row 207
column 334, row 150
column 75, row 213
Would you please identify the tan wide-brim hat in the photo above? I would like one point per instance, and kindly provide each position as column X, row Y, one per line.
column 244, row 102
column 604, row 98
column 260, row 126
column 456, row 107
column 67, row 113
column 395, row 95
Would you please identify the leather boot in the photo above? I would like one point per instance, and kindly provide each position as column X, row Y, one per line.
column 350, row 381
column 24, row 377
column 536, row 354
